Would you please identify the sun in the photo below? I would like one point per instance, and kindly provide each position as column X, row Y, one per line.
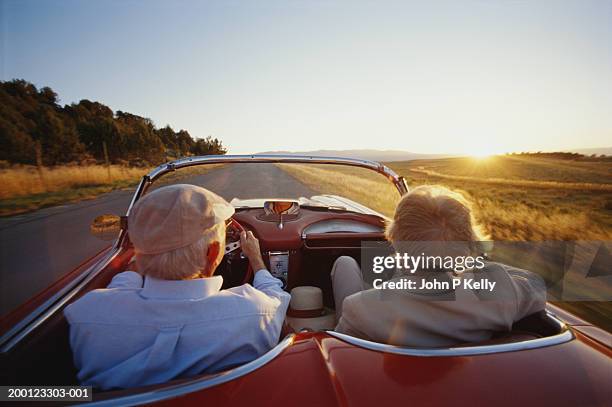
column 483, row 149
column 482, row 153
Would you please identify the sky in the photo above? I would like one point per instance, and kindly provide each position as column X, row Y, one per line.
column 451, row 77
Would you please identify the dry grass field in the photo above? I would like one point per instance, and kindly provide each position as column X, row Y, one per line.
column 26, row 180
column 362, row 185
column 23, row 189
column 527, row 198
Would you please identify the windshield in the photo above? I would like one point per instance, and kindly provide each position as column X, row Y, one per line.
column 340, row 187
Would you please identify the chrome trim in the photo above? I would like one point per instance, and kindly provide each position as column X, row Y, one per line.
column 399, row 182
column 45, row 310
column 306, row 246
column 351, row 226
column 278, row 252
column 350, row 205
column 564, row 336
column 144, row 182
column 197, row 384
column 230, row 247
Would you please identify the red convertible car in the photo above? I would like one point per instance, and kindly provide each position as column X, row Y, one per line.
column 307, row 211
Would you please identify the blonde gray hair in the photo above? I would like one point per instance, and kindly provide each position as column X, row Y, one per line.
column 434, row 213
column 182, row 263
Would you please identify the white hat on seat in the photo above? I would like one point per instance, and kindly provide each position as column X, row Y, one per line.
column 306, row 310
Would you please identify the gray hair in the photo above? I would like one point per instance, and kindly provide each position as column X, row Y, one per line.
column 184, row 262
column 434, row 213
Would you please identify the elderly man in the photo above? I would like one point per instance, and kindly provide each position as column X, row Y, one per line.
column 434, row 219
column 171, row 319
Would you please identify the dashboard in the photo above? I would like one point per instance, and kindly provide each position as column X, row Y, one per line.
column 289, row 241
column 307, row 224
column 339, row 226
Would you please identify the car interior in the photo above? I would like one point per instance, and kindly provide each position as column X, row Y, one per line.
column 300, row 248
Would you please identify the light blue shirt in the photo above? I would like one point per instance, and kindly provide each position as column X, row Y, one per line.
column 134, row 333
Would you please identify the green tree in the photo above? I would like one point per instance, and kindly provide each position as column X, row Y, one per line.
column 76, row 131
column 208, row 146
column 15, row 144
column 169, row 138
column 59, row 139
column 141, row 140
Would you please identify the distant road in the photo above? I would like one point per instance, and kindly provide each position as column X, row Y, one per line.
column 37, row 248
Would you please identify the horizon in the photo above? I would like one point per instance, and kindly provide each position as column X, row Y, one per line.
column 442, row 154
column 471, row 79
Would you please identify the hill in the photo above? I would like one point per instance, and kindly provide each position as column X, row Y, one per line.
column 590, row 151
column 400, row 155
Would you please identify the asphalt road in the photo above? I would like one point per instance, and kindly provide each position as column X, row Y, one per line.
column 37, row 248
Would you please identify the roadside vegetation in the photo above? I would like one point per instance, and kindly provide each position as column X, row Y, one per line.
column 27, row 180
column 35, row 129
column 527, row 198
column 27, row 188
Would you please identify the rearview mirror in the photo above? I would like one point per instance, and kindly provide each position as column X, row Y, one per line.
column 281, row 207
column 106, row 227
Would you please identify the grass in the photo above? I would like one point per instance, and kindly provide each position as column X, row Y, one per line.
column 24, row 204
column 577, row 186
column 515, row 199
column 361, row 185
column 23, row 190
column 564, row 203
column 24, row 181
column 512, row 168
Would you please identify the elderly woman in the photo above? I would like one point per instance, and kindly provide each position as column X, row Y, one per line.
column 171, row 319
column 432, row 220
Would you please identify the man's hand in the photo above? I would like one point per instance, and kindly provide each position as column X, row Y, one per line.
column 250, row 247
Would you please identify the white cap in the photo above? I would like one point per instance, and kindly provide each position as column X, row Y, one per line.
column 175, row 216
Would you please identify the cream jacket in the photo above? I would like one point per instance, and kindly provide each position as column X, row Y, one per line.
column 444, row 318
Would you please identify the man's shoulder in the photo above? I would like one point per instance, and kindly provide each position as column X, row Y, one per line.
column 249, row 297
column 98, row 302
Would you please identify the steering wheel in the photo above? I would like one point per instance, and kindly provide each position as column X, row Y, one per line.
column 232, row 247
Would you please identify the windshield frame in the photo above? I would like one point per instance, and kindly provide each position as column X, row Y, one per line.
column 398, row 181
